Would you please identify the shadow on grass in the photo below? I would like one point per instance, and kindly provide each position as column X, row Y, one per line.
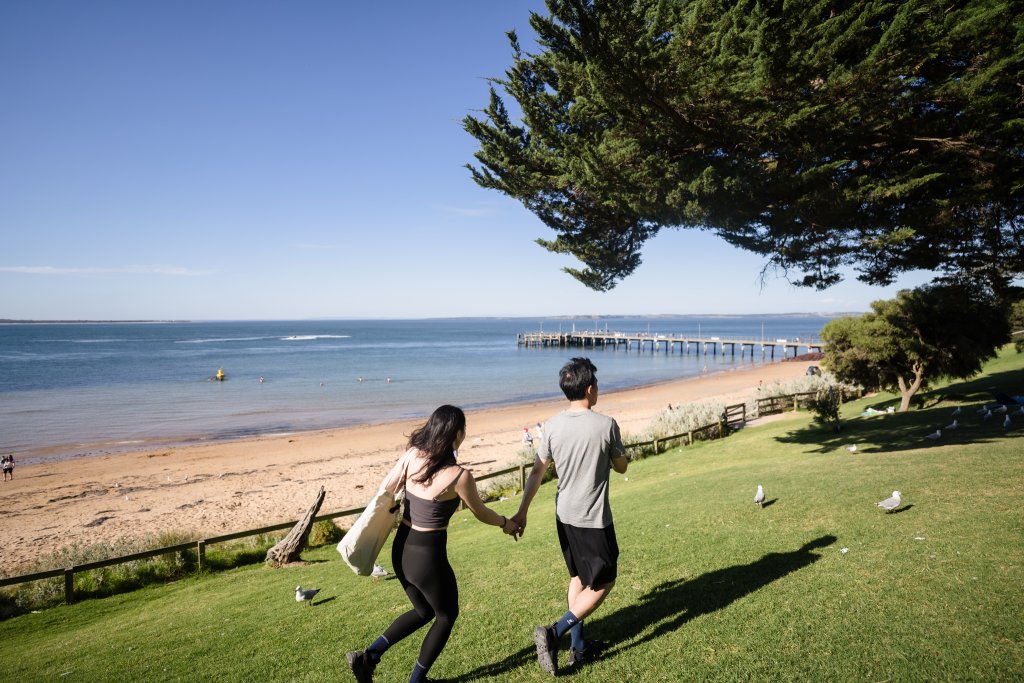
column 894, row 432
column 672, row 604
column 669, row 606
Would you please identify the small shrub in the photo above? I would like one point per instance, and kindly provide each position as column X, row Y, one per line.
column 825, row 407
column 324, row 532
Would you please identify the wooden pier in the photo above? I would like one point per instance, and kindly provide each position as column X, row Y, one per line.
column 670, row 343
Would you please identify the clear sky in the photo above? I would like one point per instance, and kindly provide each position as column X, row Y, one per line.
column 262, row 160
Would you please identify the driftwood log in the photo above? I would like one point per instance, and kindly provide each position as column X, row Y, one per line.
column 290, row 547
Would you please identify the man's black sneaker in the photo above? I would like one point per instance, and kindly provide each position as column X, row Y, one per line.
column 362, row 666
column 592, row 650
column 547, row 649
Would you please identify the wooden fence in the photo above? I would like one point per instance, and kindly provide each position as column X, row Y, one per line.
column 731, row 419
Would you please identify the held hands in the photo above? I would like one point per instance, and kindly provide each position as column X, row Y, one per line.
column 511, row 528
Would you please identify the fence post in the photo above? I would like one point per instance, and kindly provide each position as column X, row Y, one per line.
column 689, row 438
column 69, row 585
column 201, row 553
column 656, row 449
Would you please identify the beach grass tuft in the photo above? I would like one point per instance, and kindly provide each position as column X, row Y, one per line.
column 818, row 584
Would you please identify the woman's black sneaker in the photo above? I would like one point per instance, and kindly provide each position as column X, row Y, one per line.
column 362, row 666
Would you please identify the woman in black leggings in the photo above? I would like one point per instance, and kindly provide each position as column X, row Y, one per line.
column 433, row 488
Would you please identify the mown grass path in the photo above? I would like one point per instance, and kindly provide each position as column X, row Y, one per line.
column 711, row 587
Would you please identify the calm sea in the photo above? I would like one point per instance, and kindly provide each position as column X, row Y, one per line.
column 86, row 388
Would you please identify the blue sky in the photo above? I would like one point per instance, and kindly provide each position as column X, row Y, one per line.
column 263, row 160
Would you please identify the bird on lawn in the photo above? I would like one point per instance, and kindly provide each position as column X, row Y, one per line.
column 982, row 410
column 1007, row 422
column 987, row 416
column 934, row 435
column 952, row 425
column 759, row 496
column 378, row 572
column 852, row 449
column 305, row 595
column 1001, row 409
column 890, row 503
column 956, row 413
column 1020, row 411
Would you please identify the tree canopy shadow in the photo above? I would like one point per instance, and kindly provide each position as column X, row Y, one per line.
column 670, row 605
column 932, row 410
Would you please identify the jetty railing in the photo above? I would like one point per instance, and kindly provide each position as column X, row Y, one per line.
column 669, row 342
column 732, row 418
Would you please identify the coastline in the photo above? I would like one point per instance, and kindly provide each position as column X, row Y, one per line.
column 222, row 486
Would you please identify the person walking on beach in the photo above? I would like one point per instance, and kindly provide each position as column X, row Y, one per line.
column 434, row 486
column 584, row 446
column 8, row 466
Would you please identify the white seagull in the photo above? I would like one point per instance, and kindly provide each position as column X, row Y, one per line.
column 891, row 503
column 305, row 595
column 852, row 449
column 982, row 410
column 934, row 435
column 987, row 416
column 956, row 413
column 1007, row 422
column 378, row 572
column 1001, row 409
column 952, row 425
column 759, row 496
column 1020, row 411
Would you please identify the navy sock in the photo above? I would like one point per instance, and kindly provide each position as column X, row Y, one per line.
column 567, row 621
column 378, row 648
column 576, row 632
column 419, row 674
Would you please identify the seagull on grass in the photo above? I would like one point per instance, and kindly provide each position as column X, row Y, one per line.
column 759, row 496
column 1001, row 409
column 1020, row 411
column 1007, row 422
column 987, row 416
column 952, row 425
column 852, row 449
column 305, row 595
column 890, row 503
column 937, row 434
column 956, row 413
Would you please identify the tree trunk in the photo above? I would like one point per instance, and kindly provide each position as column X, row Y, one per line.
column 288, row 549
column 906, row 392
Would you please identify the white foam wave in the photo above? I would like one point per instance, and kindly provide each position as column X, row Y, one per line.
column 311, row 337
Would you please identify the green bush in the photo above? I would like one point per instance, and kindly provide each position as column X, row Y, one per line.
column 324, row 532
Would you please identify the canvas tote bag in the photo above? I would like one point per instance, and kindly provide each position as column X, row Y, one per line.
column 361, row 544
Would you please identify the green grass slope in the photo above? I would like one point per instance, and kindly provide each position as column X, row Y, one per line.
column 710, row 588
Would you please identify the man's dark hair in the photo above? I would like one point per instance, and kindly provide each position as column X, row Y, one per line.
column 575, row 377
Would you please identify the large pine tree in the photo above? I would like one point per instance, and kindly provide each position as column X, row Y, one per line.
column 879, row 135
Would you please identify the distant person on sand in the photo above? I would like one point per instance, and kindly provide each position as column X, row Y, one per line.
column 433, row 487
column 584, row 446
column 8, row 466
column 540, row 432
column 527, row 439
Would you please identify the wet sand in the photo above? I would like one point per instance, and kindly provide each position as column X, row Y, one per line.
column 223, row 487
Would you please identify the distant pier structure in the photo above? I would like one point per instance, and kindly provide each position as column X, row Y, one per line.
column 670, row 343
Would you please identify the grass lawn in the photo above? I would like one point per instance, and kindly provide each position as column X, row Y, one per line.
column 817, row 585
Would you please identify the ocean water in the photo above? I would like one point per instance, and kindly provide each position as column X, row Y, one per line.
column 77, row 389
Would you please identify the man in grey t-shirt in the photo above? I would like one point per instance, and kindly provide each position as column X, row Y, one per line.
column 585, row 446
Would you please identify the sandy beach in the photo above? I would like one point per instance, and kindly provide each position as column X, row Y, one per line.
column 219, row 488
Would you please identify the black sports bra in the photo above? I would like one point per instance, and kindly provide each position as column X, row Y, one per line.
column 427, row 513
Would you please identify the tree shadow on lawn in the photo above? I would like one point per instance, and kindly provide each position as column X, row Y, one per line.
column 670, row 605
column 891, row 432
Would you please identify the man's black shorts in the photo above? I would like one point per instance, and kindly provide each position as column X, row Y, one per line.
column 590, row 554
